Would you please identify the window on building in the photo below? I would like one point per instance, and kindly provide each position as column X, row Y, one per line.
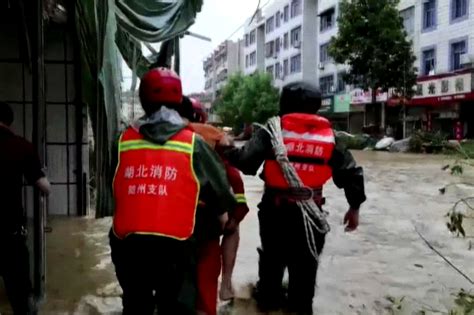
column 296, row 8
column 296, row 36
column 253, row 59
column 429, row 14
column 295, row 66
column 457, row 50
column 285, row 67
column 341, row 83
column 459, row 9
column 246, row 40
column 428, row 61
column 286, row 13
column 327, row 20
column 270, row 49
column 247, row 61
column 277, row 45
column 285, row 41
column 277, row 70
column 253, row 37
column 270, row 70
column 326, row 84
column 278, row 19
column 324, row 54
column 270, row 26
column 408, row 16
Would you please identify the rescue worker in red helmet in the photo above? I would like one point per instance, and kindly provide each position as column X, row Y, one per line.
column 315, row 155
column 163, row 169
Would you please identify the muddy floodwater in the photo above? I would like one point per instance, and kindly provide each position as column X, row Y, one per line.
column 385, row 257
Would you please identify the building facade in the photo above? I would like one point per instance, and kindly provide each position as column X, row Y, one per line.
column 290, row 40
column 443, row 35
column 223, row 62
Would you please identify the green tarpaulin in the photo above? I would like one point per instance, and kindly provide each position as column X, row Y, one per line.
column 105, row 28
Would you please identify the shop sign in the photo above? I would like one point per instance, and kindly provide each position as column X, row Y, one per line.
column 342, row 103
column 361, row 97
column 327, row 105
column 445, row 89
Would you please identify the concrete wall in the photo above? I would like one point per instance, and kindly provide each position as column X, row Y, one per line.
column 310, row 24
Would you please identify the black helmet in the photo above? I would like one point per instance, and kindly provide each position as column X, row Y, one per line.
column 300, row 97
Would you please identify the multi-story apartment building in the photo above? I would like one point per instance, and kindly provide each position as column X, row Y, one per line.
column 443, row 35
column 254, row 44
column 224, row 61
column 289, row 41
column 442, row 32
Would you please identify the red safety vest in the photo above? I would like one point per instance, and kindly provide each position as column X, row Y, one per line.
column 156, row 190
column 310, row 142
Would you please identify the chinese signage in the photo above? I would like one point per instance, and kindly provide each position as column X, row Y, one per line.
column 298, row 148
column 342, row 103
column 360, row 97
column 140, row 175
column 445, row 89
column 327, row 105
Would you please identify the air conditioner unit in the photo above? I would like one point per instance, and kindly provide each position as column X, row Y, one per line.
column 321, row 66
column 297, row 44
column 466, row 59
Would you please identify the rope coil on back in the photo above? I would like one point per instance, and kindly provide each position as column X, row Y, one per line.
column 314, row 217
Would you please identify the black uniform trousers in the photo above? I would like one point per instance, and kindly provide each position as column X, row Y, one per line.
column 15, row 270
column 284, row 245
column 155, row 273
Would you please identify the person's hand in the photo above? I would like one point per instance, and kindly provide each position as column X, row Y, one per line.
column 226, row 140
column 231, row 226
column 351, row 220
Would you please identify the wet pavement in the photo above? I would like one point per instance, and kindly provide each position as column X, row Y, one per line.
column 385, row 257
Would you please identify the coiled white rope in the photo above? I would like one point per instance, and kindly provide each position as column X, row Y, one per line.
column 314, row 217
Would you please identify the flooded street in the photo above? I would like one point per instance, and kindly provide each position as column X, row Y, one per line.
column 385, row 257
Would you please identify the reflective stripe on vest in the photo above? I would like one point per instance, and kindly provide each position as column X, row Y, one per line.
column 155, row 187
column 240, row 198
column 310, row 142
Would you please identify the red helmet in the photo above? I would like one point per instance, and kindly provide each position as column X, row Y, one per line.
column 199, row 114
column 160, row 86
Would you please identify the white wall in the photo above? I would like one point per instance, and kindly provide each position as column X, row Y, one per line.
column 445, row 32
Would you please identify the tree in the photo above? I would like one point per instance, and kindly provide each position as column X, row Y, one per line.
column 247, row 99
column 373, row 42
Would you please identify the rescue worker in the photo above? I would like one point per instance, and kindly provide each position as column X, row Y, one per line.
column 316, row 157
column 210, row 252
column 18, row 161
column 163, row 170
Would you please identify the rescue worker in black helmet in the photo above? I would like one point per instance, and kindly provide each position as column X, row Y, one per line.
column 316, row 156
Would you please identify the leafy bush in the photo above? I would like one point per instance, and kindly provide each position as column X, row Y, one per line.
column 421, row 139
column 356, row 142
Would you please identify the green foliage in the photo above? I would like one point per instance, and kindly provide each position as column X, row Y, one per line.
column 421, row 139
column 372, row 41
column 247, row 99
column 355, row 142
column 464, row 304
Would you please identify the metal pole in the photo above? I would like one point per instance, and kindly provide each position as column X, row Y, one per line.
column 80, row 114
column 39, row 117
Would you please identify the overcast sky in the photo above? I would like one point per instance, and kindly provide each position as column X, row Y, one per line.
column 217, row 20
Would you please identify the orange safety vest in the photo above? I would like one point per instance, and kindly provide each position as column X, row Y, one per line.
column 310, row 142
column 155, row 187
